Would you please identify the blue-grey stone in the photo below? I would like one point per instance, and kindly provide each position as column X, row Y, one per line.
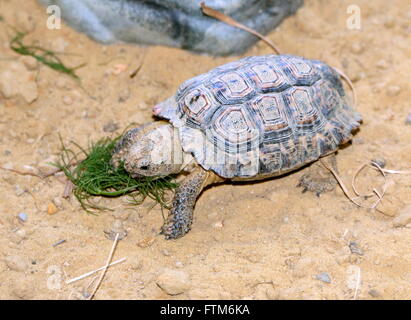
column 175, row 23
column 23, row 216
column 324, row 277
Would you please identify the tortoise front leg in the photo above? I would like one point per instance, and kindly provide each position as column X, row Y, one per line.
column 179, row 220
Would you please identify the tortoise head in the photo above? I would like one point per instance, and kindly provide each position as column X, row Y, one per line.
column 151, row 150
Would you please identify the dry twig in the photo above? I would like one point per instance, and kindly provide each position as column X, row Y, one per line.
column 105, row 268
column 358, row 283
column 222, row 17
column 350, row 84
column 376, row 192
column 23, row 173
column 137, row 70
column 93, row 271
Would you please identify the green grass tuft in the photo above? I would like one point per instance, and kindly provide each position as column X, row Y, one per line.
column 44, row 56
column 94, row 176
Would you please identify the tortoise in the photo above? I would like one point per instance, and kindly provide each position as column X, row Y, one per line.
column 252, row 119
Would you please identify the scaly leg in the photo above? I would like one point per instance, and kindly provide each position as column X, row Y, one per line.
column 179, row 220
column 319, row 179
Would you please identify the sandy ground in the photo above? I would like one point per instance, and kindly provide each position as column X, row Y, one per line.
column 264, row 240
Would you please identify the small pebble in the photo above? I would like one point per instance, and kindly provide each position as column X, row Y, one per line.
column 57, row 201
column 408, row 119
column 173, row 282
column 21, row 233
column 355, row 249
column 374, row 293
column 324, row 277
column 119, row 68
column 218, row 225
column 22, row 216
column 17, row 263
column 51, row 208
column 380, row 162
column 116, row 228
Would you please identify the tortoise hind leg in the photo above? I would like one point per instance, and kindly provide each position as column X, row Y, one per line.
column 180, row 218
column 319, row 179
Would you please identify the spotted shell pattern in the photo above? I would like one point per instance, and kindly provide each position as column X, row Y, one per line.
column 261, row 116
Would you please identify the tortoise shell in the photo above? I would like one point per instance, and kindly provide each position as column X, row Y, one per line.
column 261, row 116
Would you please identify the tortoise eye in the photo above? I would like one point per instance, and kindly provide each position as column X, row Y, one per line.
column 144, row 167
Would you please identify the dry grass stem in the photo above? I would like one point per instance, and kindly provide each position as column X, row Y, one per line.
column 93, row 271
column 350, row 84
column 110, row 256
column 375, row 190
column 222, row 17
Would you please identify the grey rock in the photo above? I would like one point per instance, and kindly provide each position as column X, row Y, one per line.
column 324, row 277
column 374, row 293
column 175, row 23
column 355, row 249
column 22, row 216
column 380, row 162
